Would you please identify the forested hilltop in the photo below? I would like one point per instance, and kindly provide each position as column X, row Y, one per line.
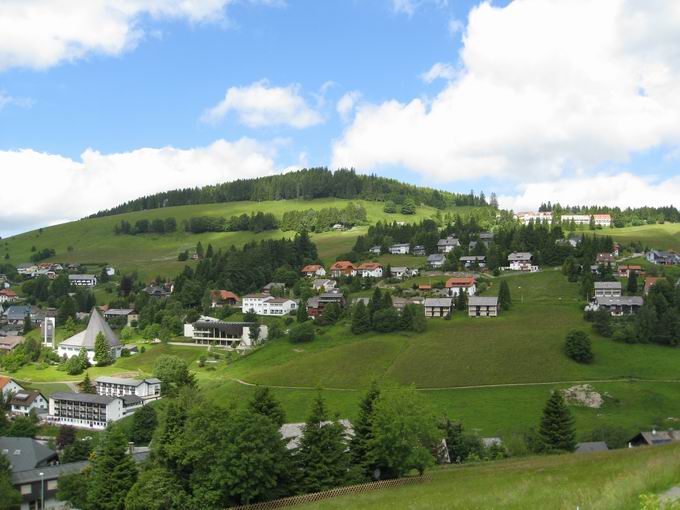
column 305, row 184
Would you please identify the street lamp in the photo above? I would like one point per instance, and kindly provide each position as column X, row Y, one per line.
column 42, row 490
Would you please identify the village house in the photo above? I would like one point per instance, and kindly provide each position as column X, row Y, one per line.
column 591, row 446
column 7, row 343
column 605, row 258
column 223, row 298
column 419, row 250
column 469, row 261
column 664, row 258
column 233, row 335
column 520, row 261
column 375, row 250
column 447, row 245
column 486, row 238
column 87, row 410
column 536, row 217
column 323, row 284
column 370, row 270
column 436, row 260
column 483, row 306
column 602, row 220
column 86, row 339
column 624, row 271
column 458, row 284
column 313, row 270
column 608, row 289
column 272, row 287
column 316, row 304
column 654, row 438
column 578, row 219
column 129, row 314
column 292, row 432
column 156, row 291
column 16, row 314
column 342, row 268
column 650, row 281
column 26, row 456
column 8, row 296
column 266, row 304
column 438, row 307
column 617, row 306
column 400, row 249
column 9, row 386
column 402, row 272
column 147, row 389
column 25, row 401
column 82, row 280
column 26, row 269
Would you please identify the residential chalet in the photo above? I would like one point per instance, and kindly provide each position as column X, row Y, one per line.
column 342, row 268
column 520, row 261
column 623, row 305
column 483, row 306
column 222, row 298
column 436, row 260
column 369, row 270
column 24, row 401
column 438, row 307
column 607, row 289
column 82, row 280
column 313, row 270
column 316, row 304
column 447, row 245
column 400, row 249
column 458, row 284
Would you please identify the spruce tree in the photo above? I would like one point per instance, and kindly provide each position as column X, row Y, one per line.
column 86, row 385
column 363, row 432
column 322, row 456
column 28, row 324
column 264, row 403
column 406, row 319
column 504, row 298
column 113, row 472
column 375, row 302
column 462, row 301
column 632, row 286
column 556, row 430
column 209, row 252
column 102, row 350
column 302, row 314
column 419, row 321
column 199, row 250
column 361, row 321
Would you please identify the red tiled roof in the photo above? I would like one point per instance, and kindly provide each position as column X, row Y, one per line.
column 602, row 216
column 461, row 281
column 370, row 266
column 650, row 281
column 312, row 268
column 424, row 286
column 4, row 381
column 224, row 295
column 342, row 265
column 8, row 293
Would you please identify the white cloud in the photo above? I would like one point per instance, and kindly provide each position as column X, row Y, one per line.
column 455, row 26
column 75, row 188
column 7, row 100
column 616, row 190
column 545, row 85
column 409, row 7
column 259, row 105
column 439, row 70
column 346, row 104
column 42, row 33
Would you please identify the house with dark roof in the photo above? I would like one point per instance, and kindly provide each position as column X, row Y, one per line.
column 654, row 438
column 25, row 453
column 83, row 280
column 25, row 401
column 520, row 261
column 664, row 258
column 436, row 260
column 316, row 304
column 419, row 250
column 129, row 314
column 607, row 289
column 273, row 287
column 147, row 389
column 323, row 283
column 592, row 446
column 292, row 432
column 400, row 249
column 617, row 306
column 438, row 307
column 483, row 306
column 233, row 335
column 87, row 410
column 469, row 261
column 86, row 339
column 447, row 245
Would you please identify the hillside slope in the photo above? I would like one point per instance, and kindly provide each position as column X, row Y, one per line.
column 93, row 240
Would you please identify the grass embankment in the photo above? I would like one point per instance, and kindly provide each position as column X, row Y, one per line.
column 596, row 481
column 93, row 240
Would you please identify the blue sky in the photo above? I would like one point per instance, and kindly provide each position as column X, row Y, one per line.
column 519, row 102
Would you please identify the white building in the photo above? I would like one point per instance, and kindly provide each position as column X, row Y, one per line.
column 235, row 335
column 536, row 217
column 370, row 270
column 86, row 339
column 400, row 249
column 82, row 280
column 322, row 283
column 86, row 410
column 447, row 245
column 148, row 389
column 608, row 289
column 602, row 220
column 402, row 272
column 520, row 261
column 9, row 386
column 458, row 284
column 25, row 401
column 264, row 304
column 578, row 219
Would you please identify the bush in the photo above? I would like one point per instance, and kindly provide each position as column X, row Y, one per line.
column 303, row 332
column 578, row 347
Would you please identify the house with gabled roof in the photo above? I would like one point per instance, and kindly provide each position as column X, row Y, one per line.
column 436, row 260
column 400, row 249
column 9, row 386
column 86, row 339
column 458, row 284
column 25, row 401
column 438, row 307
column 520, row 261
column 650, row 281
column 419, row 250
column 323, row 283
column 608, row 289
column 483, row 306
column 664, row 258
column 313, row 270
column 369, row 270
column 342, row 268
column 223, row 297
column 447, row 245
column 8, row 296
column 469, row 261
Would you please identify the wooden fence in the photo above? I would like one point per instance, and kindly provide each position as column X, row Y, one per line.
column 334, row 493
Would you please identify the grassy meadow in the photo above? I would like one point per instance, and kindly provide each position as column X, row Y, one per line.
column 92, row 241
column 595, row 481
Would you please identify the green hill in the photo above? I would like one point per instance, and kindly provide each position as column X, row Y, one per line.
column 93, row 241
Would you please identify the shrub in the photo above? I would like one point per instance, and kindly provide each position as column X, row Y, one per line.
column 578, row 347
column 303, row 332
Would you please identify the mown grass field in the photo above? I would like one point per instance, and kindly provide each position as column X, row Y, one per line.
column 596, row 481
column 93, row 241
column 662, row 237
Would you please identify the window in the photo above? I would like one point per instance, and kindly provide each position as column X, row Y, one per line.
column 52, row 485
column 26, row 489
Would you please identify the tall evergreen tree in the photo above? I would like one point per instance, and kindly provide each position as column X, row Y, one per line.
column 264, row 403
column 102, row 350
column 28, row 324
column 363, row 432
column 113, row 473
column 322, row 456
column 302, row 315
column 156, row 489
column 632, row 285
column 556, row 431
column 361, row 321
column 375, row 302
column 504, row 298
column 86, row 385
column 144, row 422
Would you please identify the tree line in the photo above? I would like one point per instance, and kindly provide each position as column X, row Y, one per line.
column 630, row 216
column 320, row 220
column 305, row 184
column 145, row 226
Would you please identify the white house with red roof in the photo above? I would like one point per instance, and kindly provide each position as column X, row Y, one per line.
column 602, row 220
column 313, row 270
column 457, row 284
column 8, row 386
column 224, row 297
column 342, row 268
column 8, row 296
column 370, row 270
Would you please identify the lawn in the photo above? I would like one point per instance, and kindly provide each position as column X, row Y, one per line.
column 596, row 481
column 92, row 241
column 662, row 237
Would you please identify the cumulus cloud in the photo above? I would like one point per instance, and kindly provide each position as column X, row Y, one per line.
column 616, row 190
column 42, row 33
column 346, row 104
column 440, row 70
column 409, row 7
column 535, row 95
column 260, row 105
column 98, row 181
